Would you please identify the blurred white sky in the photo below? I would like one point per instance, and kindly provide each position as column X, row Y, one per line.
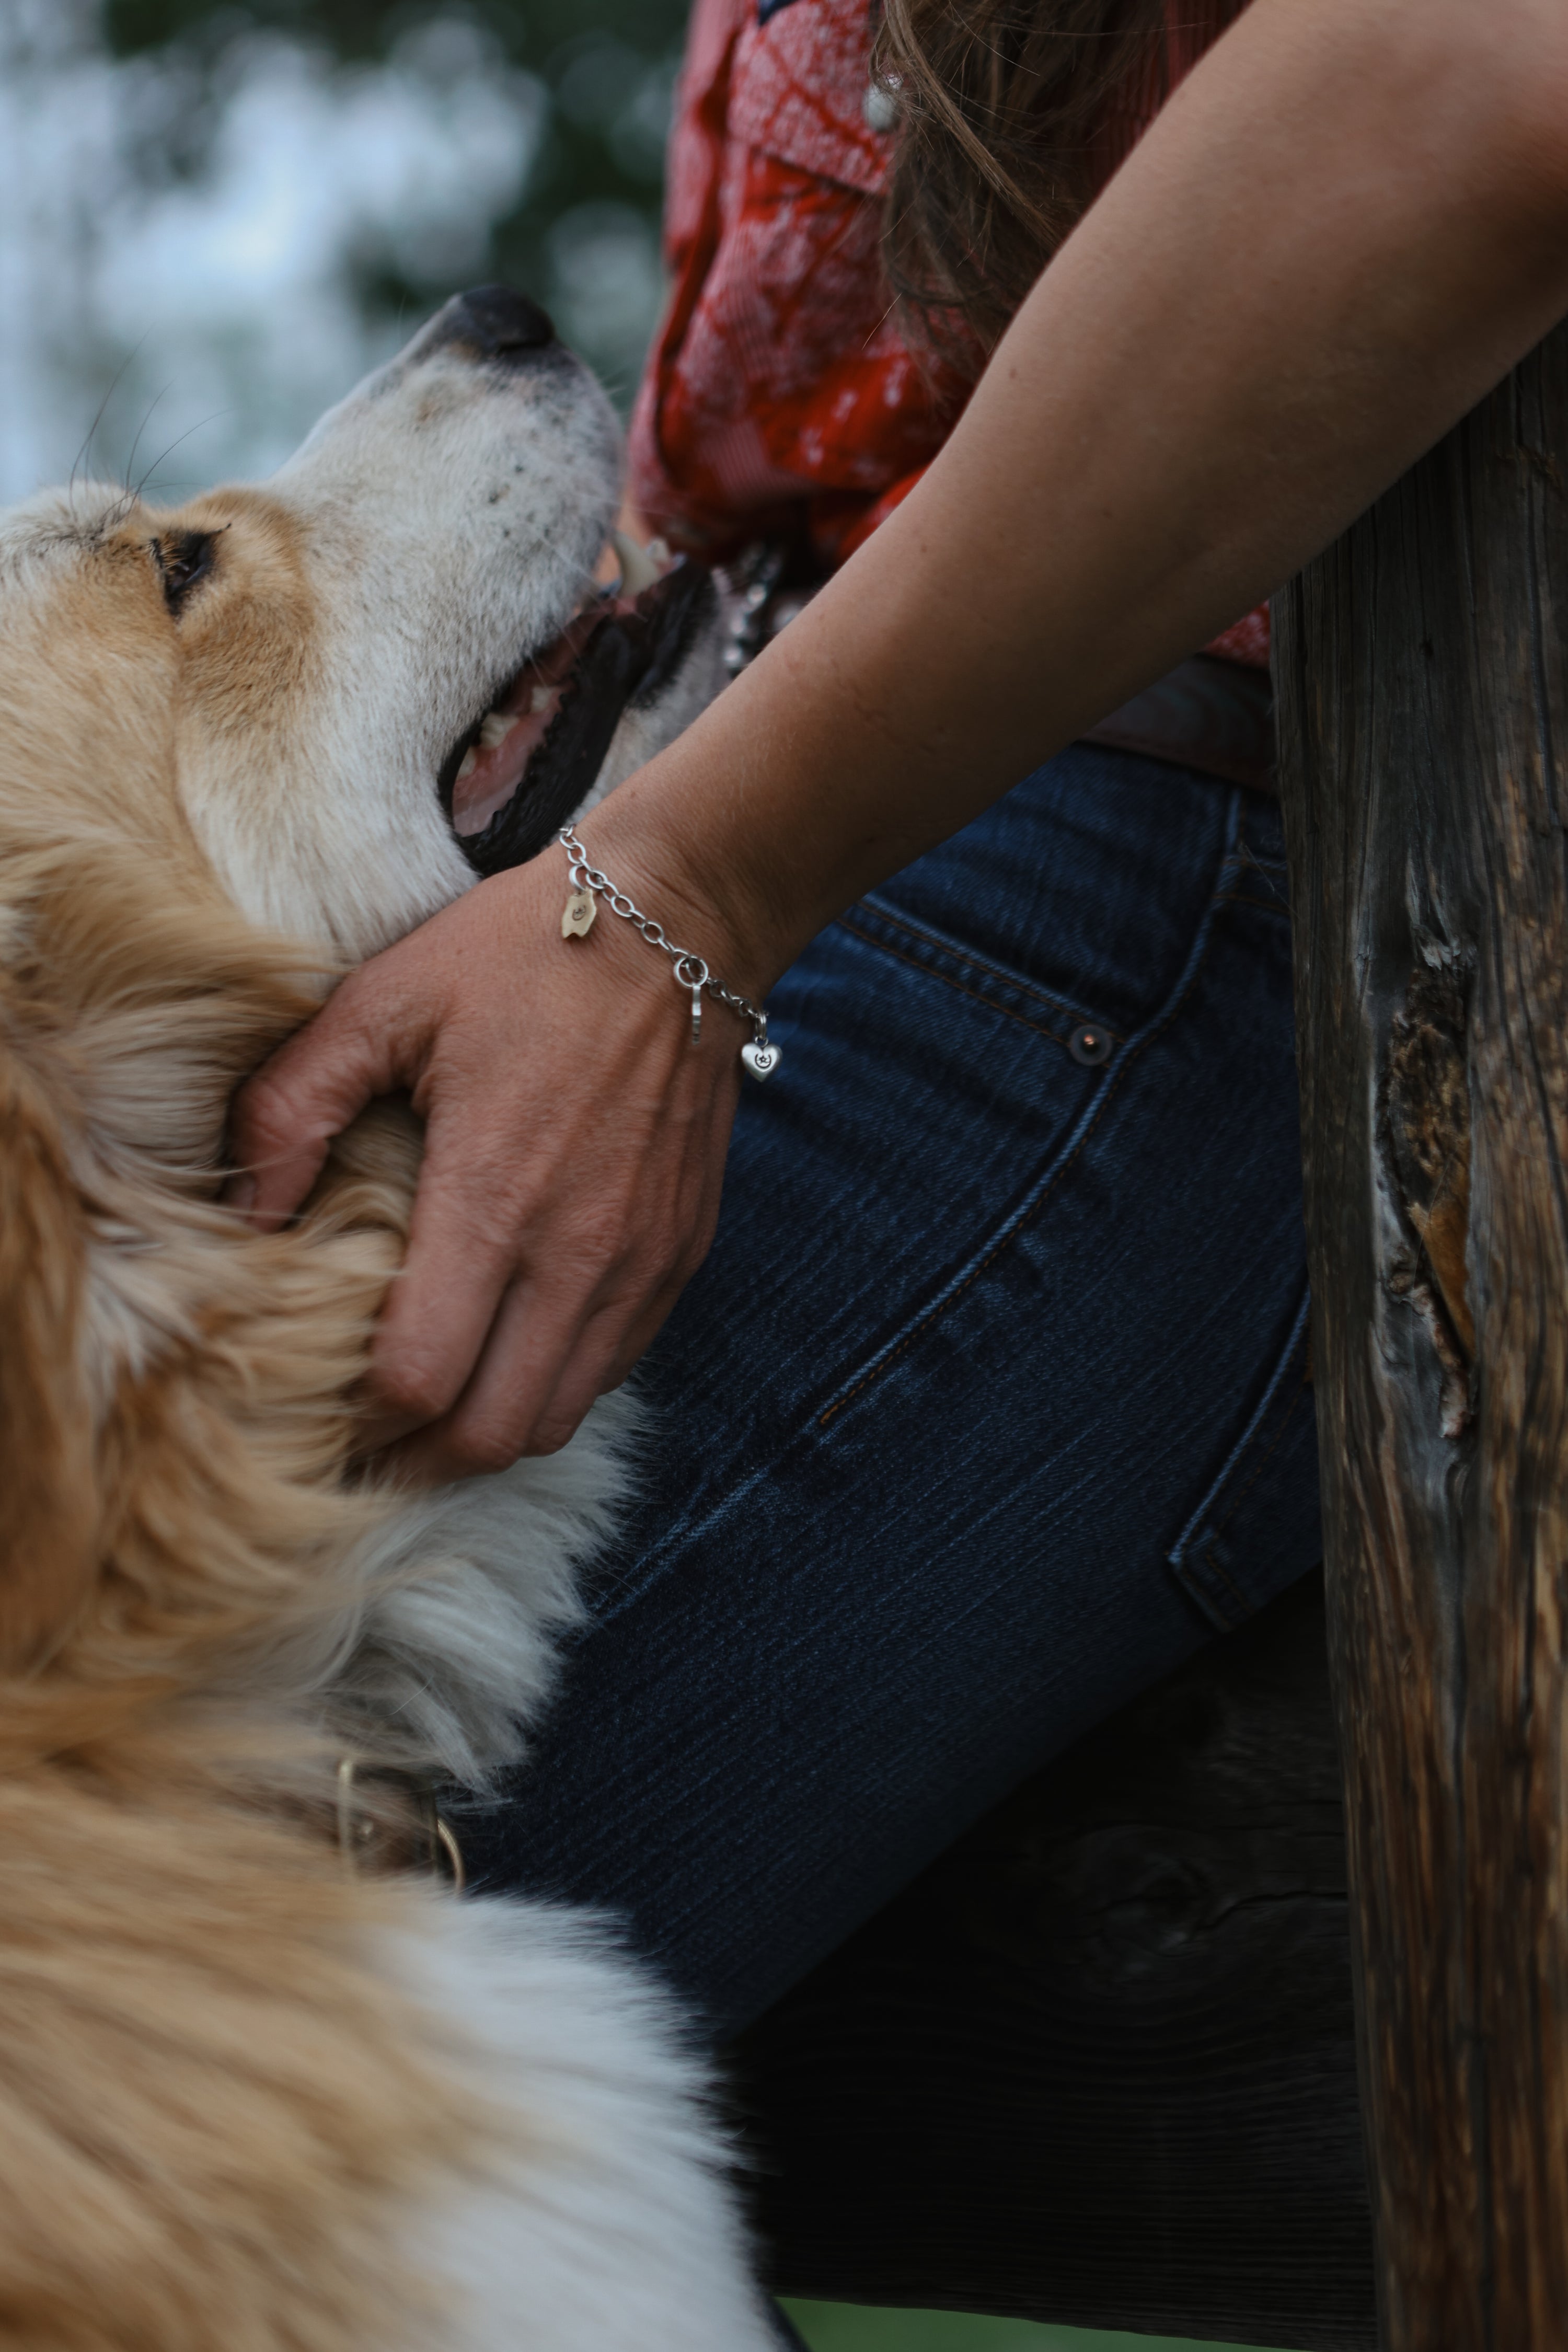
column 201, row 241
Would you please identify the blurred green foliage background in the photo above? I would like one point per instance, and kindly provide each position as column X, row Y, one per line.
column 220, row 215
column 606, row 66
column 607, row 71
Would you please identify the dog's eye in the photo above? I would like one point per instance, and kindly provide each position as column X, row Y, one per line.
column 183, row 558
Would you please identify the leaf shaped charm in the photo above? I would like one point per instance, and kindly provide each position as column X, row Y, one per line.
column 577, row 920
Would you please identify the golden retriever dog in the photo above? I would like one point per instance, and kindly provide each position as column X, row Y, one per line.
column 268, row 2084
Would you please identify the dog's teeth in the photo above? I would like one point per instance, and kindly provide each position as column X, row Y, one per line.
column 470, row 761
column 542, row 698
column 495, row 727
column 639, row 567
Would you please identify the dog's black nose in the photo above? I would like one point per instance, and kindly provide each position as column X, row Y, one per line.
column 498, row 323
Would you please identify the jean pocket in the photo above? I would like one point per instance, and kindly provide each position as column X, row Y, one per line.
column 1259, row 1528
column 1088, row 1039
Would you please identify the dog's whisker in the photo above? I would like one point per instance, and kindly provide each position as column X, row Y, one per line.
column 179, row 441
column 83, row 454
column 146, row 419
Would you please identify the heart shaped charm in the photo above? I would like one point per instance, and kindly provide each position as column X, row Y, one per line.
column 762, row 1061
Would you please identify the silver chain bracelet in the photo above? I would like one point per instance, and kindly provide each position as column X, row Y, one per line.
column 688, row 970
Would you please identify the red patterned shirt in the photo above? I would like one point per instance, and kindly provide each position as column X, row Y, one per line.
column 778, row 378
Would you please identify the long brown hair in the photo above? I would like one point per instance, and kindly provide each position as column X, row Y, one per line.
column 999, row 102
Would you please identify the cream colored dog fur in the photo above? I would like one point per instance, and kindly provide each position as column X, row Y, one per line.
column 249, row 2101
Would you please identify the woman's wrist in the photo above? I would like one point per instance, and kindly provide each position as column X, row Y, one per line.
column 654, row 841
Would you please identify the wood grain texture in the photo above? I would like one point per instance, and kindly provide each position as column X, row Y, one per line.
column 1422, row 675
column 1097, row 2064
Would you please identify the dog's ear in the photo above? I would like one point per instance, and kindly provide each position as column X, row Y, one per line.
column 49, row 1500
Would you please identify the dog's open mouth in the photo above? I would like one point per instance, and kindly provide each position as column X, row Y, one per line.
column 512, row 780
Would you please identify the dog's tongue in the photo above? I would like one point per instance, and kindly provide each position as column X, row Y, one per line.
column 540, row 751
column 513, row 731
column 489, row 777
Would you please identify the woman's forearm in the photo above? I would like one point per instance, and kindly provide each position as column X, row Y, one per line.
column 1346, row 226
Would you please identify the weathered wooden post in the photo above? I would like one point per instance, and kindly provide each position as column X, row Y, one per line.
column 1422, row 672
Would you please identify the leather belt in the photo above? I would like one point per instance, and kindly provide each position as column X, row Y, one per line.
column 1212, row 715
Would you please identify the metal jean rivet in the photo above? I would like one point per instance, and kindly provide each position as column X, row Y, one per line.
column 1090, row 1044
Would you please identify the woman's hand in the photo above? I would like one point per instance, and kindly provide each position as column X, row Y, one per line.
column 574, row 1152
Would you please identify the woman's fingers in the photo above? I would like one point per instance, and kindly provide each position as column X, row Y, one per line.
column 439, row 1315
column 508, row 1205
column 540, row 1338
column 587, row 1298
column 483, row 1238
column 283, row 1119
column 548, row 1356
column 569, row 1326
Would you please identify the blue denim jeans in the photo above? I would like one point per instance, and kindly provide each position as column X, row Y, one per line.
column 991, row 1403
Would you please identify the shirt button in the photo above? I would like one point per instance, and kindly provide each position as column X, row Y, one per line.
column 1090, row 1044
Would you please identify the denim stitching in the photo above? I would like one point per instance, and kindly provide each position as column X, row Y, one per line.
column 942, row 1305
column 1237, row 1454
column 1067, row 1006
column 1264, row 1458
column 1244, row 1607
column 1197, row 958
column 975, row 995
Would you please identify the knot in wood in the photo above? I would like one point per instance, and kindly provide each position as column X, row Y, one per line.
column 1425, row 1136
